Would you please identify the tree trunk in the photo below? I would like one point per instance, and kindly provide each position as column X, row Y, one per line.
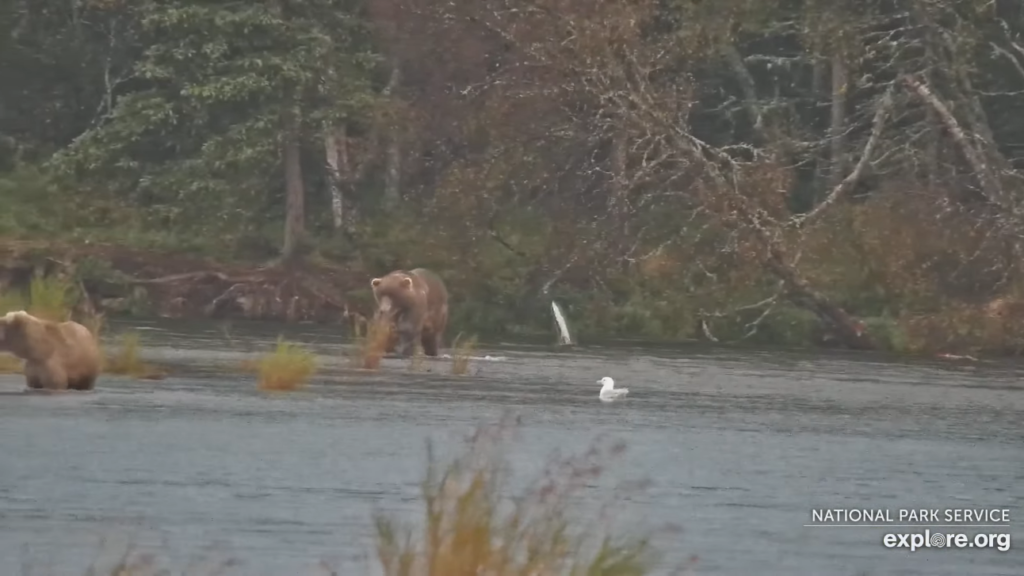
column 990, row 183
column 850, row 331
column 332, row 148
column 393, row 155
column 295, row 192
column 838, row 124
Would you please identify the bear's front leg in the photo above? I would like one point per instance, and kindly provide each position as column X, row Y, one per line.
column 48, row 376
column 430, row 343
column 33, row 376
column 406, row 342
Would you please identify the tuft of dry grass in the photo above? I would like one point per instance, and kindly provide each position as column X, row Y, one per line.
column 467, row 532
column 416, row 362
column 288, row 367
column 462, row 352
column 50, row 298
column 126, row 362
column 370, row 349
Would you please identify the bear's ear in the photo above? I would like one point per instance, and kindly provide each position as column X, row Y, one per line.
column 13, row 319
column 11, row 322
column 375, row 282
column 406, row 282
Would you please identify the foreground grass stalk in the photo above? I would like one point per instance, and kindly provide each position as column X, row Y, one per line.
column 288, row 367
column 370, row 349
column 462, row 352
column 466, row 534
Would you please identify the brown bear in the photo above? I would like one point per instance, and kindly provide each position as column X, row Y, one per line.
column 57, row 355
column 415, row 303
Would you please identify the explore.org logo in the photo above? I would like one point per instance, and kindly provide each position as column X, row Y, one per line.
column 973, row 526
column 928, row 539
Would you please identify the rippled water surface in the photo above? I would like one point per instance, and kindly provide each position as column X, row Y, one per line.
column 738, row 447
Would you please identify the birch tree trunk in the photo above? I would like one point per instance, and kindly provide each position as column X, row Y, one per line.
column 837, row 127
column 818, row 75
column 332, row 149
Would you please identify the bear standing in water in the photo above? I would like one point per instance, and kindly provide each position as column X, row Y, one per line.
column 57, row 355
column 416, row 304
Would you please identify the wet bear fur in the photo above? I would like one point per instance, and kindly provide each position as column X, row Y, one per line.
column 415, row 304
column 58, row 355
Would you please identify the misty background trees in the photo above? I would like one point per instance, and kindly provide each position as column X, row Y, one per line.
column 763, row 166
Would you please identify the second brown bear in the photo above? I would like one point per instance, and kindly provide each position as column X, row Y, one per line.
column 58, row 355
column 416, row 304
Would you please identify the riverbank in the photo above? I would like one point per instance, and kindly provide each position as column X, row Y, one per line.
column 123, row 281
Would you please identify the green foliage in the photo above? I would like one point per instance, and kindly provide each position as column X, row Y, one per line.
column 51, row 298
column 29, row 203
column 46, row 297
column 196, row 142
column 888, row 334
column 160, row 124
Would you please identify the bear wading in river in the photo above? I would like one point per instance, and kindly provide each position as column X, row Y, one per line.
column 57, row 355
column 415, row 303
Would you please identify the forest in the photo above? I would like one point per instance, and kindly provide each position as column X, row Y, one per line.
column 795, row 172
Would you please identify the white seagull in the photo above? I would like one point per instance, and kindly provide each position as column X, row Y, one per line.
column 608, row 390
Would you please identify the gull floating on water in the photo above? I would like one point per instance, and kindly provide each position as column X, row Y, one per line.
column 608, row 390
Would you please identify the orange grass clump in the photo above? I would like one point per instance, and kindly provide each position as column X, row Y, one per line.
column 372, row 347
column 288, row 367
column 126, row 361
column 462, row 352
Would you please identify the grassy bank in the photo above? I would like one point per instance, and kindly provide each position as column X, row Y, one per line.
column 109, row 273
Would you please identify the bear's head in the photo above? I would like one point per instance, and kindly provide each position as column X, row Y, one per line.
column 25, row 336
column 394, row 293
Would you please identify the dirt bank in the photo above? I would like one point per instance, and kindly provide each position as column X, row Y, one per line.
column 117, row 279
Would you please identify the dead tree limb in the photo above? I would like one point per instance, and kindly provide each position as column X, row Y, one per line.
column 851, row 180
column 990, row 184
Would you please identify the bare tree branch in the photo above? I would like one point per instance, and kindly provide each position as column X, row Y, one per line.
column 851, row 180
column 991, row 186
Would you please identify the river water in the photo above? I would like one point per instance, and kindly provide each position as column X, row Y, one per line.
column 738, row 448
